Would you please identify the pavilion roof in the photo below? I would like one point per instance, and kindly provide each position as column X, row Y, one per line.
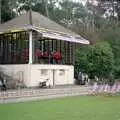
column 48, row 28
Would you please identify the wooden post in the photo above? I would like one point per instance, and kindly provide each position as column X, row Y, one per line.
column 30, row 47
column 74, row 48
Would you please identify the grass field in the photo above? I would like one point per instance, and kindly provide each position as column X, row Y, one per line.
column 69, row 108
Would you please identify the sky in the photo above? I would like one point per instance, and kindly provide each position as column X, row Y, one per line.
column 82, row 1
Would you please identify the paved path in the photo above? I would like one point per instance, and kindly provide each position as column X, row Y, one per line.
column 12, row 96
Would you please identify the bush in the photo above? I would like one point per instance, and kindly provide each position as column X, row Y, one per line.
column 96, row 60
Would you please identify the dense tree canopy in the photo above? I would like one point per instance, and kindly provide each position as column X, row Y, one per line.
column 96, row 60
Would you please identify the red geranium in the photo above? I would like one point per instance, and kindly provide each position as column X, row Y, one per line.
column 57, row 55
column 45, row 55
column 38, row 53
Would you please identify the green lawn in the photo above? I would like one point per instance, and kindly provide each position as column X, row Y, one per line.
column 69, row 108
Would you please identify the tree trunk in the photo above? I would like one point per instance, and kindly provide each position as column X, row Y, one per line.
column 46, row 8
column 113, row 7
column 0, row 11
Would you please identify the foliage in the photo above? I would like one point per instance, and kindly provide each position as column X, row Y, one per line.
column 96, row 60
column 6, row 10
column 107, row 28
column 111, row 35
column 108, row 8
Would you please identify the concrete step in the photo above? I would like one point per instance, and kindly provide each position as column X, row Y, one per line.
column 28, row 94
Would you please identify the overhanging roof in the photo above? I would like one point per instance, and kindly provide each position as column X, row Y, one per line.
column 48, row 28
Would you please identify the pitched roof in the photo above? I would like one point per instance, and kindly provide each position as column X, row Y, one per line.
column 15, row 23
column 36, row 21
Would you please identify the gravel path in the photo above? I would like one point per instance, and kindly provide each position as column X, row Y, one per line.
column 23, row 95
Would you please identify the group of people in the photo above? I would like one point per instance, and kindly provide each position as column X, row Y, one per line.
column 83, row 78
column 96, row 88
column 104, row 88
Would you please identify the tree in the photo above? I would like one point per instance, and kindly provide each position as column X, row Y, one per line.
column 109, row 8
column 111, row 35
column 6, row 10
column 96, row 60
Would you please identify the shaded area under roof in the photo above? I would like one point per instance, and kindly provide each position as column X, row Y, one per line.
column 40, row 23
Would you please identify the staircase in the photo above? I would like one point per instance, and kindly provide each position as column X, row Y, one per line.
column 34, row 94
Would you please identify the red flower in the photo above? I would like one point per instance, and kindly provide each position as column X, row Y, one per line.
column 57, row 55
column 38, row 53
column 45, row 55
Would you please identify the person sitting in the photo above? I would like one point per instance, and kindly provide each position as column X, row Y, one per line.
column 44, row 83
column 3, row 84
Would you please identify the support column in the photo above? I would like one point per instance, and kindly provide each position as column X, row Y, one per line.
column 30, row 47
column 73, row 56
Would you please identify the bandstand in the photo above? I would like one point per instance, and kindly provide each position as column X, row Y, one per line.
column 34, row 48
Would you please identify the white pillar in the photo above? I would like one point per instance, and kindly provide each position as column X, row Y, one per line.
column 30, row 47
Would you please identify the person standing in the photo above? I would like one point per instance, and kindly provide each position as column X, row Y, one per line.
column 80, row 78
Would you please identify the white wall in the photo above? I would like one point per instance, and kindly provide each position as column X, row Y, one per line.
column 33, row 74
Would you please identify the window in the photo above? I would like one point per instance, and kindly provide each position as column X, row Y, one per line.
column 62, row 72
column 13, row 48
column 44, row 72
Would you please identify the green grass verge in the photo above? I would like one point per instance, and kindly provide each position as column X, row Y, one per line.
column 69, row 108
